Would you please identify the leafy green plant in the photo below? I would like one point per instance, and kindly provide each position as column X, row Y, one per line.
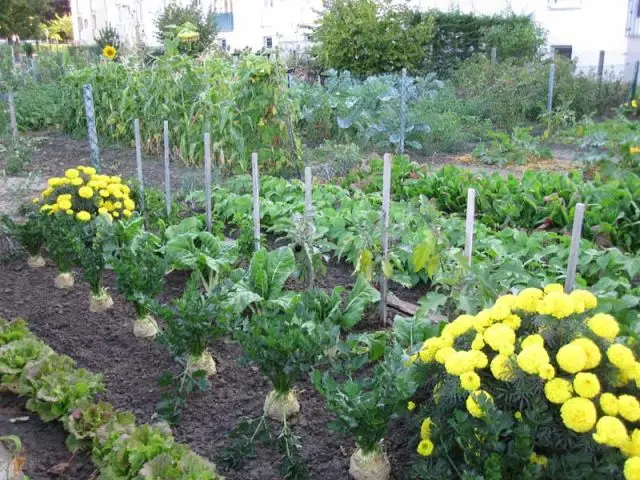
column 29, row 234
column 15, row 355
column 362, row 400
column 60, row 233
column 85, row 421
column 53, row 385
column 175, row 16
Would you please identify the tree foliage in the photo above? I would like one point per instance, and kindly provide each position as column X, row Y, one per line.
column 368, row 37
column 175, row 15
column 60, row 28
column 22, row 17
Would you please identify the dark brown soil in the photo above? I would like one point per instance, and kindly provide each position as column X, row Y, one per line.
column 105, row 343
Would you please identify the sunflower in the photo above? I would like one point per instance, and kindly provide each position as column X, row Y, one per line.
column 110, row 52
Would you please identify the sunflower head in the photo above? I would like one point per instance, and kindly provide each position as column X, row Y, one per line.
column 109, row 52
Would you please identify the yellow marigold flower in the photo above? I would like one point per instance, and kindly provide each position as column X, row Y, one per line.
column 509, row 301
column 45, row 208
column 115, row 179
column 571, row 358
column 482, row 320
column 532, row 358
column 547, row 372
column 64, row 204
column 538, row 459
column 586, row 385
column 478, row 342
column 460, row 362
column 629, row 408
column 458, row 327
column 443, row 354
column 611, row 431
column 128, row 204
column 480, row 358
column 501, row 368
column 632, row 468
column 425, row 448
column 632, row 447
column 473, row 402
column 557, row 304
column 103, row 193
column 609, row 404
column 447, row 340
column 54, row 209
column 103, row 211
column 77, row 181
column 499, row 312
column 117, row 205
column 621, row 356
column 507, row 349
column 528, row 299
column 83, row 216
column 578, row 414
column 425, row 428
column 69, row 212
column 634, row 103
column 71, row 173
column 35, row 200
column 513, row 321
column 518, row 416
column 126, row 190
column 531, row 340
column 108, row 205
column 114, row 189
column 553, row 288
column 115, row 214
column 411, row 406
column 558, row 390
column 46, row 192
column 591, row 349
column 583, row 300
column 604, row 325
column 54, row 181
column 85, row 192
column 90, row 171
column 499, row 335
column 470, row 381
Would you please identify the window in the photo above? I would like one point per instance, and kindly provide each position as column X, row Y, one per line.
column 86, row 23
column 268, row 3
column 564, row 4
column 94, row 21
column 563, row 50
column 223, row 44
column 268, row 42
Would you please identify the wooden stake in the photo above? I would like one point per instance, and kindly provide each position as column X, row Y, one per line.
column 167, row 174
column 471, row 211
column 552, row 76
column 576, row 233
column 207, row 178
column 386, row 201
column 12, row 116
column 308, row 202
column 256, row 200
column 136, row 131
column 494, row 55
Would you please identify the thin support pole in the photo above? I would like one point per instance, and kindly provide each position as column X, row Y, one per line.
column 494, row 55
column 403, row 110
column 634, row 81
column 600, row 66
column 576, row 233
column 471, row 210
column 256, row 200
column 207, row 178
column 136, row 131
column 92, row 134
column 167, row 173
column 12, row 116
column 552, row 76
column 386, row 201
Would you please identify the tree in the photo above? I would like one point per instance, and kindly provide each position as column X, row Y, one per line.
column 22, row 17
column 175, row 16
column 60, row 29
column 369, row 37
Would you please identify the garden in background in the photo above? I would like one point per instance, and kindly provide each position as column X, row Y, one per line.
column 361, row 262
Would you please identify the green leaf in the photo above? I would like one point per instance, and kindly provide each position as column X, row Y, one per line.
column 361, row 295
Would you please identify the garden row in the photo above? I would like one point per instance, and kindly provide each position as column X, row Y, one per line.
column 528, row 352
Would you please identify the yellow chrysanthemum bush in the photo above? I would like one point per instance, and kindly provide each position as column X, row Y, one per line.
column 74, row 208
column 539, row 384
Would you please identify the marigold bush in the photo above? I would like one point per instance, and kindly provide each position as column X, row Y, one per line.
column 83, row 193
column 538, row 384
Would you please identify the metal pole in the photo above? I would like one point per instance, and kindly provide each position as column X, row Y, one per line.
column 600, row 66
column 471, row 208
column 552, row 76
column 167, row 175
column 634, row 81
column 207, row 178
column 12, row 116
column 386, row 201
column 136, row 131
column 494, row 55
column 92, row 134
column 403, row 109
column 256, row 200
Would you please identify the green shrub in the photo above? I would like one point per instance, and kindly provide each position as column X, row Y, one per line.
column 174, row 15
